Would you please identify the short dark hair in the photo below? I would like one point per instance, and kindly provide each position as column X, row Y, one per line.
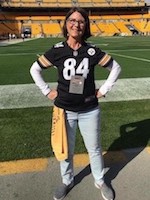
column 87, row 32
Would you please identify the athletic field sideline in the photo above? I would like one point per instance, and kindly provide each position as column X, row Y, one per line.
column 26, row 114
column 28, row 95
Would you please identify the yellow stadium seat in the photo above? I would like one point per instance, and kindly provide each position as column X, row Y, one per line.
column 39, row 18
column 9, row 27
column 110, row 17
column 132, row 16
column 64, row 3
column 95, row 30
column 146, row 16
column 139, row 25
column 147, row 28
column 28, row 1
column 95, row 17
column 121, row 25
column 85, row 1
column 51, row 29
column 101, row 3
column 108, row 29
column 36, row 30
column 50, row 1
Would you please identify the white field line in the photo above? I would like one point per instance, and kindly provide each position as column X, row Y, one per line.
column 28, row 95
column 20, row 54
column 124, row 50
column 15, row 41
column 110, row 51
column 131, row 57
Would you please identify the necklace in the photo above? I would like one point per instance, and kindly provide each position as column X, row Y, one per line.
column 75, row 52
column 75, row 48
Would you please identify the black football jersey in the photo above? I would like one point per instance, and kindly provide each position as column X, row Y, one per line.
column 71, row 63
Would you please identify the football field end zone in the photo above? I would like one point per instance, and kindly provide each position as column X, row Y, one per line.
column 28, row 95
column 41, row 164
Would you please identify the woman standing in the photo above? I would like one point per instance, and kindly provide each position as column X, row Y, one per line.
column 75, row 60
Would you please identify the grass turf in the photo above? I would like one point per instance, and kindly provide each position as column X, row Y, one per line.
column 25, row 133
column 16, row 59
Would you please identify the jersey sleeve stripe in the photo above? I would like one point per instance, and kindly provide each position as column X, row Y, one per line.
column 44, row 61
column 106, row 58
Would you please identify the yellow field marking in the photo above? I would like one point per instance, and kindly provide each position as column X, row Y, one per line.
column 81, row 160
column 111, row 157
column 21, row 166
column 41, row 164
column 148, row 149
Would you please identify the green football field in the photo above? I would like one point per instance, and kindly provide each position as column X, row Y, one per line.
column 25, row 132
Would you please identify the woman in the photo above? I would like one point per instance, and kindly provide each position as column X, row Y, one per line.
column 75, row 61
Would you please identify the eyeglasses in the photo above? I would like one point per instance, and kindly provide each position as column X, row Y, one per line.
column 74, row 21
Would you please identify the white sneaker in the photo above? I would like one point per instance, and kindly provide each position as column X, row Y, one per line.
column 106, row 191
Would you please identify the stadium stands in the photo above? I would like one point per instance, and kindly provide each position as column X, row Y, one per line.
column 147, row 28
column 36, row 29
column 49, row 24
column 96, row 31
column 122, row 27
column 12, row 28
column 108, row 29
column 70, row 3
column 139, row 25
column 52, row 29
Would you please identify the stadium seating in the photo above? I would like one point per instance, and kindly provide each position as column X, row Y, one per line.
column 56, row 3
column 52, row 29
column 6, row 28
column 146, row 16
column 39, row 18
column 65, row 3
column 85, row 3
column 36, row 29
column 2, row 17
column 28, row 1
column 107, row 24
column 110, row 17
column 139, row 25
column 100, row 3
column 95, row 29
column 121, row 26
column 135, row 3
column 57, row 18
column 20, row 3
column 147, row 28
column 108, row 29
column 70, row 3
column 47, row 3
column 118, row 3
column 131, row 16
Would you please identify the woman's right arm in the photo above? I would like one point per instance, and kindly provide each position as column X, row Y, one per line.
column 35, row 72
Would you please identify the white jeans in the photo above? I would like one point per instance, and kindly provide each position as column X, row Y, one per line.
column 89, row 125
